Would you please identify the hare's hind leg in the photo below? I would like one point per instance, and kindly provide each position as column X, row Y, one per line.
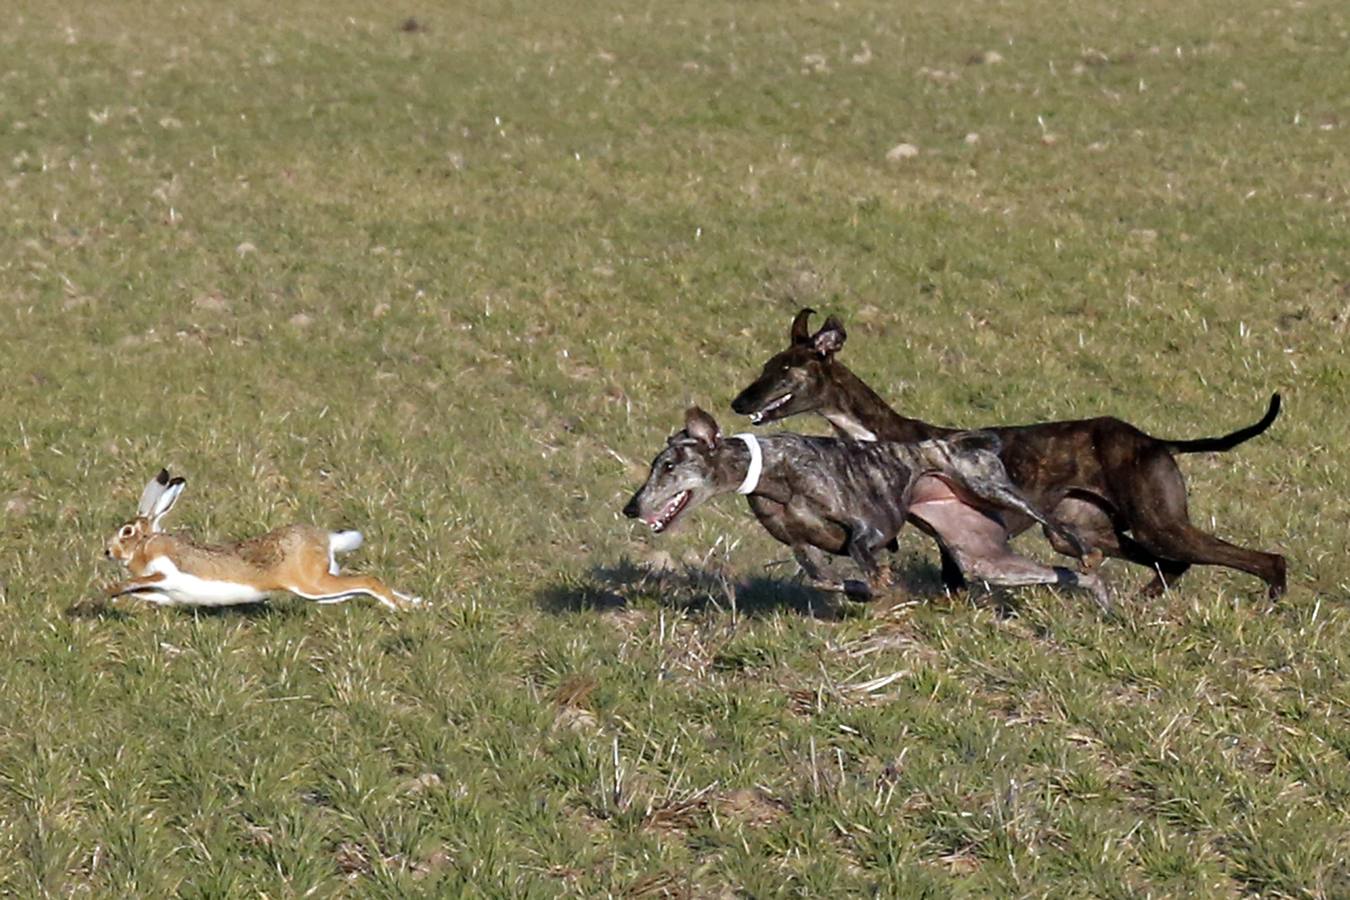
column 327, row 585
column 328, row 588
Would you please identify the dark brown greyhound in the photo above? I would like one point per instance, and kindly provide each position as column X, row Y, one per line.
column 851, row 499
column 1117, row 487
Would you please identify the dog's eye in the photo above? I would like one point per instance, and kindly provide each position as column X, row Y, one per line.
column 668, row 466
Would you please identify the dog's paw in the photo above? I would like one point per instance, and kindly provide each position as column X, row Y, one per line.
column 858, row 591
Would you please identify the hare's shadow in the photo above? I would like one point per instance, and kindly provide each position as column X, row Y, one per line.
column 104, row 610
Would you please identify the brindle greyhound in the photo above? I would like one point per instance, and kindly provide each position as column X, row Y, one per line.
column 1113, row 484
column 849, row 498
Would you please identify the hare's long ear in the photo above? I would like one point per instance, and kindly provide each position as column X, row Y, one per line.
column 166, row 501
column 152, row 492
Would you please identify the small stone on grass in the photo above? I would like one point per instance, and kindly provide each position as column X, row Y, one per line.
column 902, row 151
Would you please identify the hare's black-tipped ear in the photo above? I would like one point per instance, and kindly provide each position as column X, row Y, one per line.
column 152, row 493
column 801, row 327
column 702, row 427
column 830, row 338
column 166, row 501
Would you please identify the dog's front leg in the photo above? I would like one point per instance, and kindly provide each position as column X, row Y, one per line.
column 864, row 540
column 810, row 560
column 953, row 579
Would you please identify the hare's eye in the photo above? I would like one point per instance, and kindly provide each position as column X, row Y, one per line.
column 127, row 530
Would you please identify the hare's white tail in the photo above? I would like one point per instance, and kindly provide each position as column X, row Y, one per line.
column 341, row 542
column 344, row 541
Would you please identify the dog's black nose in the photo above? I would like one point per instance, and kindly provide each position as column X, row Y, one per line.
column 630, row 509
column 741, row 404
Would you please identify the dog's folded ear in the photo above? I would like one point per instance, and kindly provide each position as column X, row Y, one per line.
column 830, row 338
column 702, row 427
column 801, row 327
column 975, row 440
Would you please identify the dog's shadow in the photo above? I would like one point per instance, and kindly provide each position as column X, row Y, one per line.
column 617, row 587
column 614, row 588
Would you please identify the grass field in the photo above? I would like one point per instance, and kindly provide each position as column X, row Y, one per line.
column 453, row 284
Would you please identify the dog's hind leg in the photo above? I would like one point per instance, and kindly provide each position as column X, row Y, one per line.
column 953, row 579
column 1113, row 543
column 1064, row 539
column 980, row 544
column 1183, row 545
column 1155, row 504
column 1011, row 570
column 982, row 478
column 1088, row 517
column 1165, row 574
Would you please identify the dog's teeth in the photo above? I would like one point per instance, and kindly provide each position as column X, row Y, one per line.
column 757, row 418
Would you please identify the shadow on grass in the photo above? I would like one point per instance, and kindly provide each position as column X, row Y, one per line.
column 104, row 610
column 96, row 610
column 612, row 589
column 615, row 588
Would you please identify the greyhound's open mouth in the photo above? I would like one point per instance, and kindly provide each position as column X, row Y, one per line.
column 758, row 417
column 661, row 520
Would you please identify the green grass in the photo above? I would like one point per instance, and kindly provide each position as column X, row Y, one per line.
column 454, row 287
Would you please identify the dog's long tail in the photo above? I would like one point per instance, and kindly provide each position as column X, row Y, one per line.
column 1231, row 440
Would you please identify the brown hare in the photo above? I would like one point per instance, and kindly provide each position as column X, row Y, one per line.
column 174, row 570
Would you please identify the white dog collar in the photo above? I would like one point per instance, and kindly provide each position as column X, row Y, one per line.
column 756, row 463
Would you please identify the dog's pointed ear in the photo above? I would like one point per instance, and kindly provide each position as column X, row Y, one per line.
column 801, row 327
column 702, row 427
column 830, row 338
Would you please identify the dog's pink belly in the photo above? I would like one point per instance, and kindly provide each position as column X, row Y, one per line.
column 962, row 528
